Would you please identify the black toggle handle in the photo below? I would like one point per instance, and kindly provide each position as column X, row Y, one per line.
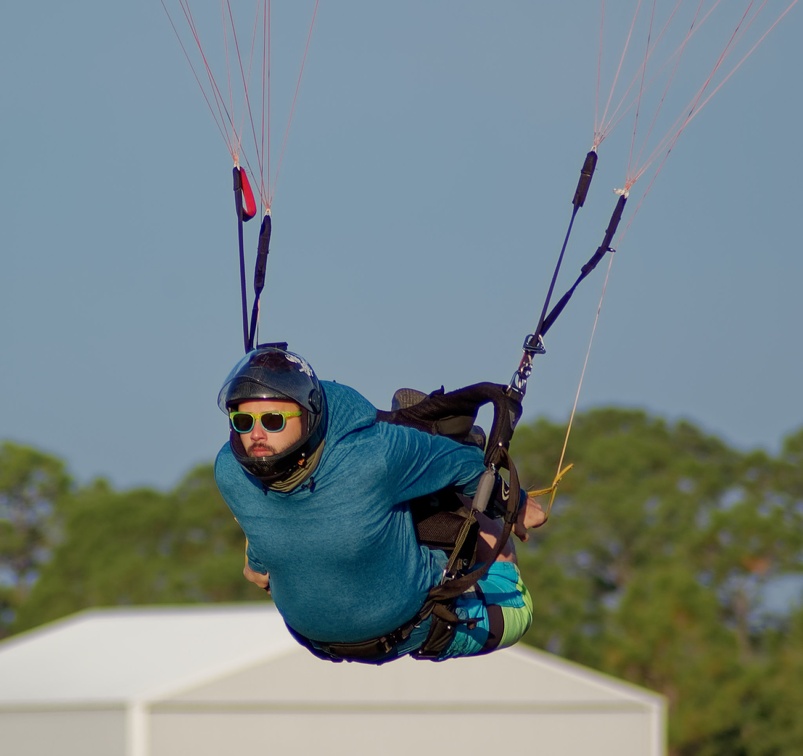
column 584, row 182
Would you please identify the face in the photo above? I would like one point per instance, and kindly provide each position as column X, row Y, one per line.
column 261, row 443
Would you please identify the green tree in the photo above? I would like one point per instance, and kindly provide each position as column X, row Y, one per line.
column 667, row 633
column 31, row 485
column 142, row 547
column 771, row 714
column 638, row 492
column 655, row 564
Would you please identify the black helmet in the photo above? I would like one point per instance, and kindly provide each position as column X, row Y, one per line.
column 269, row 372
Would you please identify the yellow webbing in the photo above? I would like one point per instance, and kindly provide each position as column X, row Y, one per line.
column 553, row 489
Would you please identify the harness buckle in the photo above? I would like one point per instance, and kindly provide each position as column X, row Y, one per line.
column 534, row 346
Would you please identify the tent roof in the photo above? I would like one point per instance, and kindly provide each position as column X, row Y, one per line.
column 116, row 655
column 120, row 656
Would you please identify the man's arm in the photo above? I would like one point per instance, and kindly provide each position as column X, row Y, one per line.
column 257, row 578
column 261, row 579
column 418, row 463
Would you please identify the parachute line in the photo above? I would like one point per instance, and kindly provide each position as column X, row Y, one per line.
column 295, row 100
column 217, row 118
column 239, row 99
column 645, row 149
column 598, row 129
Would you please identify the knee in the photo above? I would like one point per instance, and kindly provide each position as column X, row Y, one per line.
column 517, row 617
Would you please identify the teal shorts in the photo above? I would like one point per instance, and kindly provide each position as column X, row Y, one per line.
column 500, row 609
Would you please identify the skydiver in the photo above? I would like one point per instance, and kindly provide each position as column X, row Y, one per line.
column 321, row 490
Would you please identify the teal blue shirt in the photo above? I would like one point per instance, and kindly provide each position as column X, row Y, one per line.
column 341, row 549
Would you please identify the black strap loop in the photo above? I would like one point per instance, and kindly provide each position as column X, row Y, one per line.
column 453, row 413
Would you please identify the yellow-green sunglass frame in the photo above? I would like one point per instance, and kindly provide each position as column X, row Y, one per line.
column 258, row 416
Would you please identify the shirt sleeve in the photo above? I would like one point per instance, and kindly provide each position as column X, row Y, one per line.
column 419, row 463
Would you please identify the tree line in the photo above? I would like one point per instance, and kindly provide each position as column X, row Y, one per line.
column 670, row 560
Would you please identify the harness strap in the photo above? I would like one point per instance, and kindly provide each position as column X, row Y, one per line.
column 376, row 649
column 453, row 413
column 454, row 586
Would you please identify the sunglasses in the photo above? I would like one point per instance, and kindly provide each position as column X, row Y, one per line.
column 272, row 421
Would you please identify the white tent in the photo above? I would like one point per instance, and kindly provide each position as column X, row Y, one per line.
column 230, row 680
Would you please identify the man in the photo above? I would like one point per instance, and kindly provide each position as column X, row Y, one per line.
column 321, row 490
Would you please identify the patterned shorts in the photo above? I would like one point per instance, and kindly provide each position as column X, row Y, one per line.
column 502, row 610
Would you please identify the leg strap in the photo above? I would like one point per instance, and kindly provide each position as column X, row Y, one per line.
column 377, row 650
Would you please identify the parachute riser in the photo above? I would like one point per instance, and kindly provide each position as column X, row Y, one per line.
column 534, row 343
column 245, row 209
column 238, row 206
column 260, row 267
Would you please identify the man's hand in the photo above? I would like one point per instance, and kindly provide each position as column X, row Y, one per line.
column 530, row 516
column 262, row 579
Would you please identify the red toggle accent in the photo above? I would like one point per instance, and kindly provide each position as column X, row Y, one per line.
column 249, row 203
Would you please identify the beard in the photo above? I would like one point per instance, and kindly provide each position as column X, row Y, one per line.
column 261, row 450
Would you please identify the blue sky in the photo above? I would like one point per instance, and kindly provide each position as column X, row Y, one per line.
column 423, row 198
